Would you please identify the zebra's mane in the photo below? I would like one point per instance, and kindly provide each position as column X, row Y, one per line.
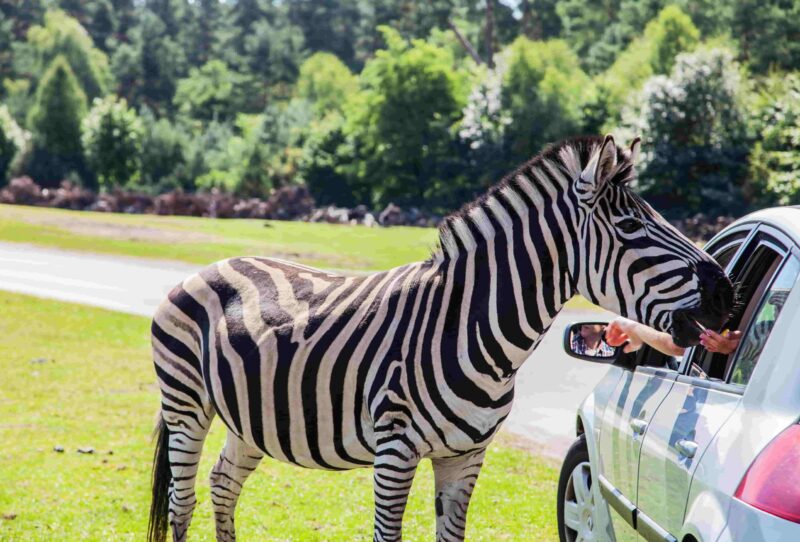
column 569, row 157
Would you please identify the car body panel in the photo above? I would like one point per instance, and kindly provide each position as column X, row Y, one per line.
column 690, row 414
column 634, row 401
column 588, row 413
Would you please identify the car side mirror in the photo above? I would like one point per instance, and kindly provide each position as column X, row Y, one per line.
column 586, row 341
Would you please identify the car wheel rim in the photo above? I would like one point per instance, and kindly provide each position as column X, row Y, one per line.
column 579, row 510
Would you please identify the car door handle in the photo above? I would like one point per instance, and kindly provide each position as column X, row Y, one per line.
column 638, row 426
column 687, row 448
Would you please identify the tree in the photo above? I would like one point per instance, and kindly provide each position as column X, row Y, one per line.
column 327, row 26
column 147, row 69
column 14, row 141
column 163, row 155
column 111, row 135
column 399, row 124
column 543, row 94
column 211, row 92
column 62, row 35
column 767, row 33
column 325, row 82
column 694, row 135
column 667, row 35
column 55, row 120
column 774, row 177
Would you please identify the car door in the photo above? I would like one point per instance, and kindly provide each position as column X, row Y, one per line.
column 628, row 414
column 624, row 422
column 698, row 404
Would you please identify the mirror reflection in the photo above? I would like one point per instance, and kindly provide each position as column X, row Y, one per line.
column 587, row 339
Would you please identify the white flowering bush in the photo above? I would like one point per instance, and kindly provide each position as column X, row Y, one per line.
column 694, row 132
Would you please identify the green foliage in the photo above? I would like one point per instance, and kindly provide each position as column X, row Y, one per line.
column 669, row 34
column 62, row 35
column 693, row 125
column 400, row 122
column 766, row 31
column 326, row 83
column 163, row 155
column 775, row 159
column 544, row 91
column 111, row 135
column 55, row 120
column 14, row 142
column 211, row 92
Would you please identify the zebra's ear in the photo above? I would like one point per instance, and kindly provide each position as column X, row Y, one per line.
column 606, row 160
column 636, row 146
column 598, row 170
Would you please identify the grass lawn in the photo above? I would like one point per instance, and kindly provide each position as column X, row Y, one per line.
column 204, row 240
column 75, row 377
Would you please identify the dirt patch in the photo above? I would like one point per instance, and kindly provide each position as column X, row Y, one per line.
column 113, row 230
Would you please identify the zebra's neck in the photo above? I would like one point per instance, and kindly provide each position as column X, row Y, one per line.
column 511, row 257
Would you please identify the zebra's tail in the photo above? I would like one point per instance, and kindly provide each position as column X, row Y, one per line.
column 162, row 476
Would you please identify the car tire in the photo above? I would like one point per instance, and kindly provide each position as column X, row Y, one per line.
column 577, row 512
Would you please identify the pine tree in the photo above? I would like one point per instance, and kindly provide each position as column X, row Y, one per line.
column 55, row 120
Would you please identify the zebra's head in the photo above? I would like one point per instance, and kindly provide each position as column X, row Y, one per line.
column 632, row 261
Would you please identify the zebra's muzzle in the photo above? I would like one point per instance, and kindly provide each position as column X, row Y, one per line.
column 689, row 324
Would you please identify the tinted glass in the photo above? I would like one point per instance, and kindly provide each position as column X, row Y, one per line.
column 763, row 321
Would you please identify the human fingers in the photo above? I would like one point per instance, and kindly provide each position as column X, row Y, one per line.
column 617, row 339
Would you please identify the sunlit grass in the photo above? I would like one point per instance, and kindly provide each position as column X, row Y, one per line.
column 75, row 377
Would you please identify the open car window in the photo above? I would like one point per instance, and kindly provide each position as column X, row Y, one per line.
column 754, row 271
column 723, row 253
column 762, row 321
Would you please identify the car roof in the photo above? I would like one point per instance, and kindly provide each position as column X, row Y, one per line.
column 786, row 219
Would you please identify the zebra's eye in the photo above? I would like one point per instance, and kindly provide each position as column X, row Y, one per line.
column 630, row 225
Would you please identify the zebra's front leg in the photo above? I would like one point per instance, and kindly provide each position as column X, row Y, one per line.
column 235, row 464
column 455, row 479
column 395, row 466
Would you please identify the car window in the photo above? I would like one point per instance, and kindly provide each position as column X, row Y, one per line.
column 648, row 356
column 762, row 323
column 754, row 272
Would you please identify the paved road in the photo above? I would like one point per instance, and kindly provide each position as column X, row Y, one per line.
column 549, row 386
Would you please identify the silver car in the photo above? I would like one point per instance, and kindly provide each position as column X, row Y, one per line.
column 703, row 448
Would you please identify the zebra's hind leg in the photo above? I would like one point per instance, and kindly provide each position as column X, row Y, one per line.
column 455, row 480
column 187, row 431
column 395, row 466
column 236, row 462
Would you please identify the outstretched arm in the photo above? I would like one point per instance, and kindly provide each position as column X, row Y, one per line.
column 622, row 330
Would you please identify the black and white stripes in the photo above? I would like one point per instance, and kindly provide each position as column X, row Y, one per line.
column 334, row 372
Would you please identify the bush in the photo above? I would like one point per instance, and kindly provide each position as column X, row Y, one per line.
column 544, row 91
column 666, row 36
column 399, row 124
column 111, row 135
column 163, row 155
column 14, row 143
column 694, row 135
column 775, row 159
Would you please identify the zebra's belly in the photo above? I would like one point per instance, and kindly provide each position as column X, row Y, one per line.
column 291, row 419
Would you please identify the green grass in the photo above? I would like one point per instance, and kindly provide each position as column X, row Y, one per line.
column 76, row 376
column 205, row 240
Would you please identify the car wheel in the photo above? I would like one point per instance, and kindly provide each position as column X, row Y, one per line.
column 577, row 515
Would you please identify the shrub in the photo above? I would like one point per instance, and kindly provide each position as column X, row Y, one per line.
column 111, row 135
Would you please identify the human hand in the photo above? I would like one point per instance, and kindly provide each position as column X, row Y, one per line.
column 621, row 331
column 724, row 343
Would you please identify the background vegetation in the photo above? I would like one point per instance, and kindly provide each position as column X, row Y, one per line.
column 418, row 103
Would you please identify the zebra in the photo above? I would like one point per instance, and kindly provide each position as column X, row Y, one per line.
column 339, row 372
